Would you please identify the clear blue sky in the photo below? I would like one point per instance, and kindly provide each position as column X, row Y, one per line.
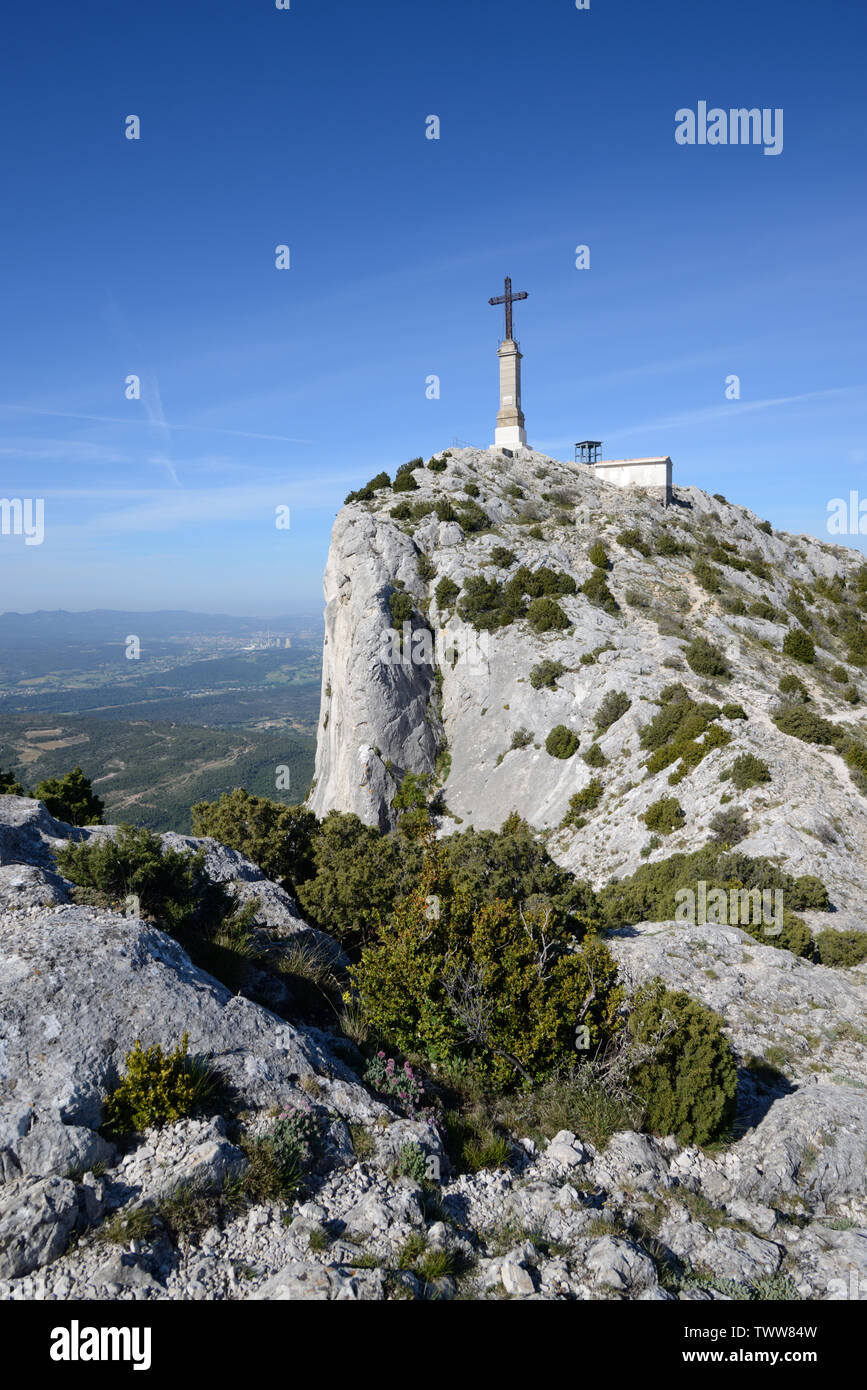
column 307, row 127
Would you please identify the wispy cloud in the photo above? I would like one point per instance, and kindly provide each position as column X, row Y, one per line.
column 731, row 411
column 147, row 423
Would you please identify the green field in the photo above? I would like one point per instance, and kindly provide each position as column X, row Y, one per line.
column 197, row 715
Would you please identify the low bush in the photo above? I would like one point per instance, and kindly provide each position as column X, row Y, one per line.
column 632, row 539
column 400, row 606
column 586, row 800
column 157, row 1090
column 598, row 556
column 403, row 478
column 684, row 731
column 799, row 646
column 546, row 674
column 841, row 948
column 613, row 707
column 594, row 757
column 70, row 798
column 561, row 742
column 688, row 1081
column 706, row 659
column 501, row 557
column 468, row 987
column 664, row 815
column 446, row 593
column 748, row 771
column 709, row 578
column 278, row 838
column 597, row 591
column 733, row 712
column 794, row 689
column 729, row 827
column 546, row 615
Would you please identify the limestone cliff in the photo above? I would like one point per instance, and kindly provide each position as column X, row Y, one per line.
column 473, row 716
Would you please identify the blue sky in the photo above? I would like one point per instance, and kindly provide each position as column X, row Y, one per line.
column 306, row 127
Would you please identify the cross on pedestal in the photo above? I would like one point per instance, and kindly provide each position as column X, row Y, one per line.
column 510, row 433
column 508, row 299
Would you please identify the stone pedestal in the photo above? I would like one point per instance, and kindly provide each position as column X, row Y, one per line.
column 510, row 432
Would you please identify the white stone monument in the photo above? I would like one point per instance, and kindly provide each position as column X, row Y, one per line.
column 510, row 432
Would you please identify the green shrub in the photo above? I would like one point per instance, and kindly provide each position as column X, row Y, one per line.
column 706, row 659
column 794, row 689
column 379, row 482
column 446, row 593
column 764, row 610
column 542, row 582
column 426, row 567
column 561, row 742
column 472, row 517
column 689, row 1080
column 546, row 674
column 598, row 556
column 70, row 798
column 650, row 894
column 799, row 646
column 521, row 738
column 402, row 512
column 277, row 838
column 733, row 712
column 683, row 731
column 839, row 674
column 664, row 815
column 709, row 578
column 631, row 539
column 749, row 771
column 468, row 986
column 598, row 592
column 841, row 948
column 412, row 1162
column 400, row 606
column 666, row 544
column 359, row 873
column 718, row 497
column 546, row 615
column 766, row 527
column 438, row 465
column 483, row 604
column 156, row 1090
column 729, row 827
column 472, row 489
column 594, row 757
column 802, row 723
column 172, row 887
column 584, row 801
column 403, row 479
column 9, row 786
column 613, row 707
column 512, row 865
column 501, row 557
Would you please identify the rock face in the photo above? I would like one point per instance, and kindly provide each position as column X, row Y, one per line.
column 382, row 717
column 780, row 1213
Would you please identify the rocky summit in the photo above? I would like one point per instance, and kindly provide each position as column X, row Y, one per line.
column 639, row 683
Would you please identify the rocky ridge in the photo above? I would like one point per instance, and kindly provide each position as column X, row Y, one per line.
column 455, row 719
column 781, row 1212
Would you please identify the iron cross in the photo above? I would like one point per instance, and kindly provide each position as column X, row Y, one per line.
column 508, row 299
